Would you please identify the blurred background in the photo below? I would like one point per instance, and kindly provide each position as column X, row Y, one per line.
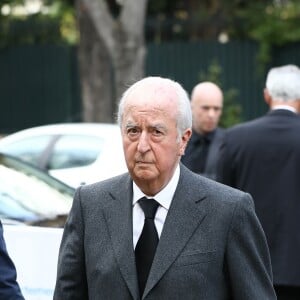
column 69, row 61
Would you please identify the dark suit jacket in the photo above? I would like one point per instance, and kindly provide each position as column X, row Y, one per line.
column 262, row 157
column 9, row 288
column 212, row 245
column 191, row 157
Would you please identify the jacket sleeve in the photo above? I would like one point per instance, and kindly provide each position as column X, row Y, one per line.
column 247, row 255
column 225, row 168
column 9, row 288
column 71, row 282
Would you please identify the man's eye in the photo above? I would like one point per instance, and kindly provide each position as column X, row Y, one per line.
column 157, row 132
column 132, row 131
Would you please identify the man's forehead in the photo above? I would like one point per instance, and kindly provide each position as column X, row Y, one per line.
column 152, row 91
column 210, row 105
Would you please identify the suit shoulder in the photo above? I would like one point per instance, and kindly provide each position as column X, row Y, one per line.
column 227, row 200
column 224, row 192
column 216, row 190
column 220, row 130
column 221, row 201
column 219, row 134
column 245, row 126
column 106, row 185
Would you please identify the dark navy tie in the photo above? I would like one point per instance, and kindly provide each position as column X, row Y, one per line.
column 147, row 243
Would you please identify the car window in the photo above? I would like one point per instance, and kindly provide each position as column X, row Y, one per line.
column 29, row 149
column 75, row 151
column 21, row 187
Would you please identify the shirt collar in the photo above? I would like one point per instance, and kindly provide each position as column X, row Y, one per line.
column 286, row 107
column 197, row 136
column 165, row 196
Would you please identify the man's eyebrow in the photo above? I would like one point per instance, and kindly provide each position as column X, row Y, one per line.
column 130, row 125
column 158, row 126
column 151, row 126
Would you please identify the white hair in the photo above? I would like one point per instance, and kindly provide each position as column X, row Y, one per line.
column 283, row 83
column 184, row 115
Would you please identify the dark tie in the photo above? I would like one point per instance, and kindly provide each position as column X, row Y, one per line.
column 204, row 152
column 147, row 243
column 198, row 154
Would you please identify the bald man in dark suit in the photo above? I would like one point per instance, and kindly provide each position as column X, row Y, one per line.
column 202, row 152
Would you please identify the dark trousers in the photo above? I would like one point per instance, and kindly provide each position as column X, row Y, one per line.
column 287, row 292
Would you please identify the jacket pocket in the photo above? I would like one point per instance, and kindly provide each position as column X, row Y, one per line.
column 195, row 257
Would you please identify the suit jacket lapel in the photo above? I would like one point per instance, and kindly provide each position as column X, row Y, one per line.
column 118, row 216
column 184, row 216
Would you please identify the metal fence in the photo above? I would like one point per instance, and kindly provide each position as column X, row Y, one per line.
column 40, row 84
column 185, row 61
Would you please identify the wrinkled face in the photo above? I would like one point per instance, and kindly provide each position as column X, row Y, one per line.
column 206, row 113
column 150, row 137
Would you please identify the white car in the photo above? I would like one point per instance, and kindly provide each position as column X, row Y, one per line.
column 30, row 196
column 75, row 153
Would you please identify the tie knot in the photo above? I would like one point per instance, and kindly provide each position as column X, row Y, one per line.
column 149, row 207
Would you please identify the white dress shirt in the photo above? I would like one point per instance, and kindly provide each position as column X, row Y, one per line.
column 164, row 198
column 286, row 107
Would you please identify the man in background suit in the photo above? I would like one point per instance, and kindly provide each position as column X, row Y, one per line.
column 202, row 152
column 262, row 157
column 9, row 288
column 210, row 243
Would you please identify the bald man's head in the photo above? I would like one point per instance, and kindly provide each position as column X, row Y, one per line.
column 207, row 105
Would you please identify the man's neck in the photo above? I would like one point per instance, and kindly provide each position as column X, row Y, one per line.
column 293, row 106
column 202, row 133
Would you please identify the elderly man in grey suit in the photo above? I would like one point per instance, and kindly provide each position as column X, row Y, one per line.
column 161, row 231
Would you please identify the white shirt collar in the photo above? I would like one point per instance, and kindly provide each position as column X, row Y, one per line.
column 286, row 107
column 165, row 196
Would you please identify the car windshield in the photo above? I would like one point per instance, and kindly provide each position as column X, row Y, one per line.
column 27, row 193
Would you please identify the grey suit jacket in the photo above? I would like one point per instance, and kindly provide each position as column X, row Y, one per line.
column 212, row 246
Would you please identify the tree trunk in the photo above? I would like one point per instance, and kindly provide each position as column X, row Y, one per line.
column 96, row 72
column 111, row 55
column 128, row 63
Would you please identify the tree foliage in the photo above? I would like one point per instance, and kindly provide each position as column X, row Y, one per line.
column 232, row 111
column 55, row 23
column 272, row 22
column 268, row 22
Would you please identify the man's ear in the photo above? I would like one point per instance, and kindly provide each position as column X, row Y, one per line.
column 298, row 106
column 267, row 97
column 185, row 139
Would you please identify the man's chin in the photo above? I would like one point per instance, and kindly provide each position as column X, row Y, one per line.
column 144, row 173
column 210, row 128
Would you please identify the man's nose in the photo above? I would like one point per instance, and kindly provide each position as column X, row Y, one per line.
column 211, row 112
column 143, row 144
